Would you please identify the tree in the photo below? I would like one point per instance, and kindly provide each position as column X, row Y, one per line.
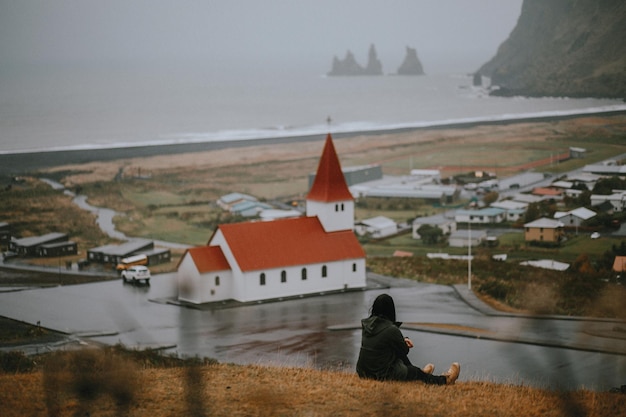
column 430, row 234
column 490, row 197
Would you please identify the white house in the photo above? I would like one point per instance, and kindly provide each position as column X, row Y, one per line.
column 514, row 210
column 377, row 227
column 461, row 238
column 574, row 218
column 446, row 225
column 483, row 216
column 287, row 257
column 617, row 200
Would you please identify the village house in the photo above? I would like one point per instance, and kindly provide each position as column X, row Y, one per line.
column 617, row 200
column 260, row 260
column 114, row 254
column 544, row 230
column 464, row 237
column 488, row 215
column 574, row 218
column 376, row 227
column 51, row 244
column 513, row 210
column 444, row 223
column 548, row 193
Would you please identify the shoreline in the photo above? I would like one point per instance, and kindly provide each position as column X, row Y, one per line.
column 15, row 164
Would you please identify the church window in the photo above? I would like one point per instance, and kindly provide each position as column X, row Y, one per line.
column 303, row 274
column 217, row 281
column 283, row 276
column 342, row 208
column 354, row 267
column 324, row 271
column 262, row 278
column 336, row 207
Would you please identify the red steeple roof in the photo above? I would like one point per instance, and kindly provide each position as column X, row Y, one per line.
column 329, row 184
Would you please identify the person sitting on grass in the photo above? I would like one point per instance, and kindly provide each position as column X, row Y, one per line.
column 383, row 354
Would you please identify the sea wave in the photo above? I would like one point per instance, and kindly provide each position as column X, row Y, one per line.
column 322, row 129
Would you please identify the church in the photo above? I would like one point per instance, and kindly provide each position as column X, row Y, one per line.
column 262, row 260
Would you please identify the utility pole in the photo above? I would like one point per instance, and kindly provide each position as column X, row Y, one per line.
column 469, row 254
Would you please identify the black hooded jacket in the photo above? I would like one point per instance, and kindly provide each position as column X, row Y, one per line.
column 382, row 350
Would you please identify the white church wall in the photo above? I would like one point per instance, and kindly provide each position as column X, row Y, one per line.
column 339, row 276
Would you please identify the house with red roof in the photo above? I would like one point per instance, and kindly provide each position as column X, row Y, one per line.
column 260, row 260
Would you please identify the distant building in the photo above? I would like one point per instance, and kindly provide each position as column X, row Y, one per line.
column 113, row 254
column 377, row 227
column 446, row 225
column 227, row 201
column 575, row 152
column 29, row 246
column 488, row 215
column 574, row 218
column 520, row 181
column 513, row 210
column 609, row 169
column 462, row 238
column 544, row 230
column 617, row 200
column 289, row 257
column 57, row 249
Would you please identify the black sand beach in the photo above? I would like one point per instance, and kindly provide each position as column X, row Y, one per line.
column 16, row 164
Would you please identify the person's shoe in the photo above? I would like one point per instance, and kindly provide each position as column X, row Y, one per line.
column 429, row 369
column 453, row 373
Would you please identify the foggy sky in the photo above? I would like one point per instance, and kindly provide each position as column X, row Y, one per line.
column 450, row 35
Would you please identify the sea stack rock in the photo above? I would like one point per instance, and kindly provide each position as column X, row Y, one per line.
column 374, row 66
column 346, row 66
column 349, row 65
column 411, row 64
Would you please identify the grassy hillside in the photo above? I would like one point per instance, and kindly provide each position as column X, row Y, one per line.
column 114, row 383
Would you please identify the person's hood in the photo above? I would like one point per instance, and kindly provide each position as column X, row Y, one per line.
column 374, row 324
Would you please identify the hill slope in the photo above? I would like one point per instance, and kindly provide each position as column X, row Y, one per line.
column 564, row 48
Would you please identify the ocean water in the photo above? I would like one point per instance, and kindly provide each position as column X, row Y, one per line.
column 68, row 109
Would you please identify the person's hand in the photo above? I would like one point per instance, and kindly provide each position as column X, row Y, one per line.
column 408, row 342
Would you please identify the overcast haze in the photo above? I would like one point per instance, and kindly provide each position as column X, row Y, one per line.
column 450, row 35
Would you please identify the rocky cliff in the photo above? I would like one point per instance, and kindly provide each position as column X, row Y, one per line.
column 350, row 66
column 574, row 48
column 411, row 64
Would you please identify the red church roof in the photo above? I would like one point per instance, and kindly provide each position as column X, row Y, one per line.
column 208, row 258
column 288, row 242
column 330, row 184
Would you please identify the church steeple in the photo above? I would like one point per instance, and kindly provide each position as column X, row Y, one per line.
column 330, row 184
column 329, row 197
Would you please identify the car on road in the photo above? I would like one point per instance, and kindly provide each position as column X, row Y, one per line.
column 136, row 274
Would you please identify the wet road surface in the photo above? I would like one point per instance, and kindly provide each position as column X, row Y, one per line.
column 444, row 326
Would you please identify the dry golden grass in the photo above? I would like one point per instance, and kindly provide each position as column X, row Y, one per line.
column 500, row 147
column 229, row 390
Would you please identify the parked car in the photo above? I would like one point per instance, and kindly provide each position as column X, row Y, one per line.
column 136, row 274
column 595, row 235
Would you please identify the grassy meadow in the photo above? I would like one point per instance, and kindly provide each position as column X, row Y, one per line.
column 114, row 382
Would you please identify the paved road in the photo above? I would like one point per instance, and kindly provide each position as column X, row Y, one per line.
column 447, row 324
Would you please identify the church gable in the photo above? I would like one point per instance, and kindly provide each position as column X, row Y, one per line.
column 207, row 259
